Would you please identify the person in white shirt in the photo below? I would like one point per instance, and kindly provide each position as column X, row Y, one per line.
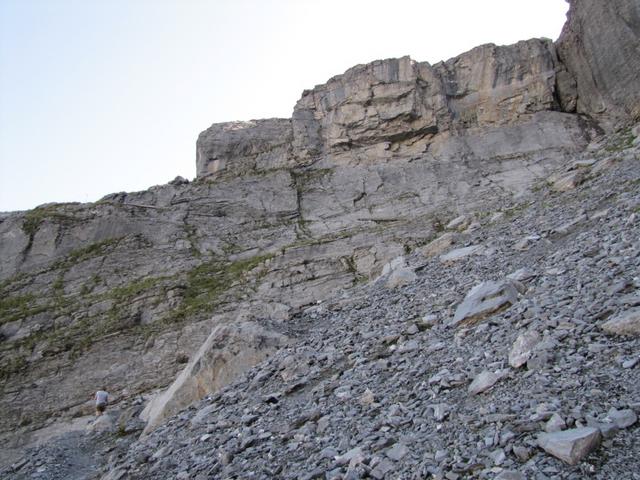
column 101, row 398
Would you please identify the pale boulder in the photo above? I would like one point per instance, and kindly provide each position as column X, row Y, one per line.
column 483, row 300
column 229, row 351
column 570, row 446
column 625, row 323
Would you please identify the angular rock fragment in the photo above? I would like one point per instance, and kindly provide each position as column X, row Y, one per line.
column 555, row 424
column 568, row 181
column 626, row 323
column 397, row 452
column 355, row 454
column 521, row 275
column 522, row 348
column 381, row 469
column 483, row 300
column 509, row 475
column 400, row 277
column 570, row 446
column 622, row 418
column 439, row 245
column 483, row 382
column 461, row 253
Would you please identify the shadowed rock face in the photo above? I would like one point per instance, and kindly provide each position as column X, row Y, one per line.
column 285, row 212
column 599, row 45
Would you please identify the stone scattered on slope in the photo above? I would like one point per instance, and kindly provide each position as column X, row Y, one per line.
column 461, row 253
column 523, row 347
column 400, row 277
column 440, row 244
column 622, row 418
column 483, row 300
column 483, row 382
column 570, row 446
column 625, row 323
column 555, row 424
column 568, row 181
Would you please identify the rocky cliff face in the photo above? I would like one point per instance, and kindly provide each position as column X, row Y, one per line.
column 599, row 46
column 286, row 212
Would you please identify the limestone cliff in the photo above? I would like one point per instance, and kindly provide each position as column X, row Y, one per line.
column 600, row 46
column 285, row 212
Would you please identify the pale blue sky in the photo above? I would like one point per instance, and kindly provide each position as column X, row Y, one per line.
column 101, row 96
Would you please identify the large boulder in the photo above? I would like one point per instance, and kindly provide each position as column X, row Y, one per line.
column 483, row 300
column 600, row 46
column 229, row 351
column 570, row 446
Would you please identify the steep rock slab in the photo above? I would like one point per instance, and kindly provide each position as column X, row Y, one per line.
column 229, row 351
column 477, row 166
column 600, row 46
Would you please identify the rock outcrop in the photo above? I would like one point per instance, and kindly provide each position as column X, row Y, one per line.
column 377, row 385
column 285, row 213
column 399, row 99
column 257, row 145
column 229, row 351
column 599, row 47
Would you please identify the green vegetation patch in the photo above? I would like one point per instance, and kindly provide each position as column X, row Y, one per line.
column 204, row 288
column 93, row 250
column 206, row 283
column 16, row 307
column 622, row 140
column 131, row 290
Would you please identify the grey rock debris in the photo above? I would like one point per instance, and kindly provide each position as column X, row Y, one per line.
column 287, row 240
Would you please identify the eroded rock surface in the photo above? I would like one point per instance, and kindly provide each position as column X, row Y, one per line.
column 599, row 46
column 228, row 351
column 287, row 213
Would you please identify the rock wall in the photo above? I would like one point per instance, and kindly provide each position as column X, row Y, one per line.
column 398, row 99
column 600, row 46
column 286, row 212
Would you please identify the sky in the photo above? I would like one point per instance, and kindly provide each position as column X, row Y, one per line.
column 103, row 96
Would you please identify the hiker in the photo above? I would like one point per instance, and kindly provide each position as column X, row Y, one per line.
column 102, row 399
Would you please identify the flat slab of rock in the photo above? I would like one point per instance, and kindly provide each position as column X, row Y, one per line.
column 397, row 452
column 570, row 446
column 401, row 276
column 439, row 245
column 461, row 253
column 626, row 323
column 483, row 300
column 483, row 382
